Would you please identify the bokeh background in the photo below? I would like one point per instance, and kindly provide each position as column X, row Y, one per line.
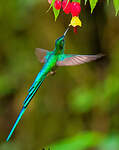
column 78, row 108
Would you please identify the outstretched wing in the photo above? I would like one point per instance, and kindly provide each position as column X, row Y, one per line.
column 71, row 60
column 42, row 54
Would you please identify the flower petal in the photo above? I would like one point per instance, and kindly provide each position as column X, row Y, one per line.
column 75, row 21
column 49, row 1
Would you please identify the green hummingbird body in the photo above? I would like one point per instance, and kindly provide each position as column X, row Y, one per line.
column 51, row 60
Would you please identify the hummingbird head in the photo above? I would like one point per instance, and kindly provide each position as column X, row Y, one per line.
column 59, row 43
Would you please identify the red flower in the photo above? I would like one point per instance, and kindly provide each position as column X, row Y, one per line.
column 57, row 4
column 75, row 8
column 66, row 6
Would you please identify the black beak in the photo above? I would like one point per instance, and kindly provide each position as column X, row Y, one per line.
column 66, row 32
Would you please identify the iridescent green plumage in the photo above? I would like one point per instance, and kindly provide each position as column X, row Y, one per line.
column 51, row 60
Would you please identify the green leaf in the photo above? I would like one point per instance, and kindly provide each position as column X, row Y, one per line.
column 93, row 4
column 56, row 12
column 85, row 2
column 110, row 142
column 116, row 5
column 51, row 5
column 80, row 142
column 53, row 1
column 79, row 1
column 76, row 1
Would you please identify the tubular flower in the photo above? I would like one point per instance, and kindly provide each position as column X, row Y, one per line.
column 75, row 8
column 66, row 6
column 75, row 11
column 57, row 4
column 75, row 21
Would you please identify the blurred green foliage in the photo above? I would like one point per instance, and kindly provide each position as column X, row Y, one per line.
column 78, row 108
column 80, row 142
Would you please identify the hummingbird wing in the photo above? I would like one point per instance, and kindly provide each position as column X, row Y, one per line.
column 41, row 54
column 71, row 60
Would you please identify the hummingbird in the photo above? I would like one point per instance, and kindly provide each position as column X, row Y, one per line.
column 51, row 60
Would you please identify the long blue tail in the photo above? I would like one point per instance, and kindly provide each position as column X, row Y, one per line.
column 17, row 121
column 29, row 97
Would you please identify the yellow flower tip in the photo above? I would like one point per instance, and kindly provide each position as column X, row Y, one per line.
column 75, row 21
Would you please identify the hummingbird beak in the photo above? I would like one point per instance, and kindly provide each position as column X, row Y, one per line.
column 66, row 32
